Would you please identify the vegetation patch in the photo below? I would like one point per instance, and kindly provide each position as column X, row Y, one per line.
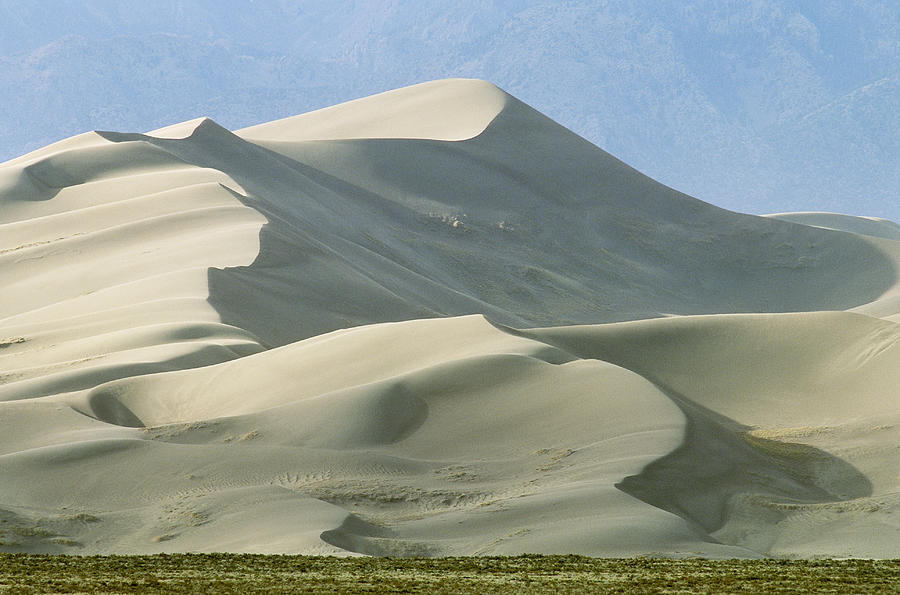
column 250, row 573
column 9, row 341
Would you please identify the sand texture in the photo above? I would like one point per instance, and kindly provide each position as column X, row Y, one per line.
column 433, row 322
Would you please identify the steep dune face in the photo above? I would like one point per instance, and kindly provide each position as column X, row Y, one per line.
column 574, row 234
column 301, row 337
column 104, row 254
column 795, row 415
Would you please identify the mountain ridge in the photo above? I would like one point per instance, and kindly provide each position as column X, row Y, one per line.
column 686, row 92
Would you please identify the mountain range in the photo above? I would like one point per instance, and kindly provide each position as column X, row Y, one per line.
column 764, row 106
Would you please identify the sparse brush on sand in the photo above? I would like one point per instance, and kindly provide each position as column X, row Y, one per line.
column 233, row 573
column 427, row 323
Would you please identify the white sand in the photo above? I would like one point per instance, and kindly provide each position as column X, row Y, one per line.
column 301, row 338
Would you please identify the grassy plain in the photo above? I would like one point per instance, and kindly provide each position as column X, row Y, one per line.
column 242, row 573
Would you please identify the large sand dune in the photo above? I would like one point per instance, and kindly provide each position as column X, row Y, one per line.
column 432, row 322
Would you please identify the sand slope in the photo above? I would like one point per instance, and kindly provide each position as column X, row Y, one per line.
column 321, row 335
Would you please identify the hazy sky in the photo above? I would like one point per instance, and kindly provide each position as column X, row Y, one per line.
column 755, row 105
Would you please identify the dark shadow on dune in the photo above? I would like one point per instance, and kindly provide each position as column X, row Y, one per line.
column 33, row 181
column 356, row 535
column 522, row 287
column 335, row 255
column 721, row 467
column 723, row 476
column 105, row 406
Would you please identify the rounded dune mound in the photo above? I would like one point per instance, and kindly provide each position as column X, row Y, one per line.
column 795, row 415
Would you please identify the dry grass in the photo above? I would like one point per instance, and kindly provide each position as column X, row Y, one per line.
column 239, row 573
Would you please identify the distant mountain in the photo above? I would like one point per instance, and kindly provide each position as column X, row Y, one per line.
column 760, row 107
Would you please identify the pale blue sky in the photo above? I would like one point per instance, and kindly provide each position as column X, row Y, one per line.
column 757, row 106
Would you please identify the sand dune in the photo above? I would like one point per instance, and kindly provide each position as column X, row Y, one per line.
column 869, row 226
column 432, row 322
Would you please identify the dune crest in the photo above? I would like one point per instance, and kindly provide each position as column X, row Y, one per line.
column 432, row 322
column 182, row 130
column 447, row 110
column 870, row 226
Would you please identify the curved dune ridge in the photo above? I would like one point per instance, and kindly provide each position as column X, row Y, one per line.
column 433, row 322
column 448, row 110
